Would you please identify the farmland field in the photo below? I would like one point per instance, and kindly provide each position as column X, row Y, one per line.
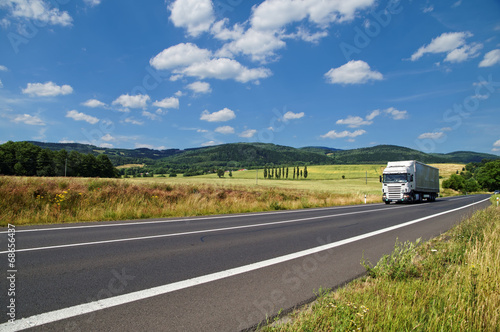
column 39, row 200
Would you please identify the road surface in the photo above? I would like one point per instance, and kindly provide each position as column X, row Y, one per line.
column 216, row 273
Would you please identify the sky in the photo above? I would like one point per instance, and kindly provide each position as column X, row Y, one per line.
column 188, row 73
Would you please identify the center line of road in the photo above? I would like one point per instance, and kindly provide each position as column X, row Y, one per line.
column 86, row 308
column 197, row 232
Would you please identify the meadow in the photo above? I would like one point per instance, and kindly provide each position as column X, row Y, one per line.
column 36, row 200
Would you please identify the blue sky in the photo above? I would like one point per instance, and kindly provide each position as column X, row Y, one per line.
column 189, row 73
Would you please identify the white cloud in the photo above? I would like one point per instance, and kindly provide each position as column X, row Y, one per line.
column 249, row 133
column 209, row 143
column 48, row 89
column 180, row 55
column 37, row 10
column 354, row 121
column 3, row 68
column 396, row 114
column 106, row 145
column 353, row 72
column 137, row 101
column 1, row 84
column 75, row 115
column 271, row 19
column 133, row 121
column 463, row 53
column 150, row 115
column 373, row 115
column 333, row 134
column 195, row 15
column 224, row 68
column 490, row 59
column 452, row 43
column 496, row 146
column 65, row 140
column 189, row 60
column 434, row 135
column 171, row 102
column 92, row 3
column 32, row 120
column 225, row 130
column 108, row 138
column 291, row 116
column 497, row 143
column 221, row 116
column 200, row 87
column 93, row 103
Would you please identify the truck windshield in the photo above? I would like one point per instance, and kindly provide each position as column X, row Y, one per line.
column 390, row 178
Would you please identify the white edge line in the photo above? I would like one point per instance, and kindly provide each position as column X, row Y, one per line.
column 194, row 232
column 146, row 222
column 81, row 309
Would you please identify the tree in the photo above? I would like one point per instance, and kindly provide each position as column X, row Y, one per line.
column 305, row 172
column 230, row 173
column 294, row 172
column 220, row 173
column 287, row 173
column 45, row 163
column 455, row 182
column 488, row 176
column 265, row 173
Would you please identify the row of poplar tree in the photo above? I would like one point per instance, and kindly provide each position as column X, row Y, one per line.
column 284, row 172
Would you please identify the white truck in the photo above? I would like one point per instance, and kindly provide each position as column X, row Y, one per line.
column 409, row 181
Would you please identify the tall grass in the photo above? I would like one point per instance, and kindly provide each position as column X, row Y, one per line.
column 448, row 284
column 30, row 200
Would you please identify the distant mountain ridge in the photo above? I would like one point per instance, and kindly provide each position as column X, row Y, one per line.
column 260, row 154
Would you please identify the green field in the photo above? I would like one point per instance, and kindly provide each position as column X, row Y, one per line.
column 358, row 179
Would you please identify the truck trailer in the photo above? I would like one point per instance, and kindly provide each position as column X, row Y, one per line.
column 409, row 181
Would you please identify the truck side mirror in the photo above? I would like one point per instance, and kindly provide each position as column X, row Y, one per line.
column 380, row 178
column 411, row 178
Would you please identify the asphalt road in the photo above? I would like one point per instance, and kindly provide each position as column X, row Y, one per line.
column 218, row 273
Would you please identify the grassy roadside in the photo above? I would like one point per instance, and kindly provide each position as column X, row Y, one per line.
column 31, row 200
column 450, row 283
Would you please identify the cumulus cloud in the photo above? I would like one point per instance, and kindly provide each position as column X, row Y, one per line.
column 396, row 114
column 48, row 89
column 451, row 43
column 199, row 87
column 354, row 121
column 490, row 59
column 133, row 121
column 28, row 119
column 171, row 102
column 181, row 55
column 343, row 134
column 3, row 68
column 196, row 16
column 353, row 72
column 496, row 146
column 77, row 116
column 271, row 19
column 291, row 116
column 93, row 103
column 37, row 10
column 92, row 3
column 221, row 116
column 249, row 133
column 223, row 69
column 225, row 130
column 150, row 115
column 137, row 101
column 190, row 60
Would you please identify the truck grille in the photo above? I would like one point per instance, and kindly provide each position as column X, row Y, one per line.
column 394, row 192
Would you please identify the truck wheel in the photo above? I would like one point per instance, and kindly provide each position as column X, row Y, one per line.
column 387, row 202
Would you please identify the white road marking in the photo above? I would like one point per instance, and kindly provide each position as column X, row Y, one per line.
column 194, row 232
column 258, row 214
column 81, row 309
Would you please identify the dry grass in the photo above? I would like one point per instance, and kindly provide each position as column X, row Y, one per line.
column 27, row 200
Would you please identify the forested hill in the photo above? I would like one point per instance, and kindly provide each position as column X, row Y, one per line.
column 260, row 154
